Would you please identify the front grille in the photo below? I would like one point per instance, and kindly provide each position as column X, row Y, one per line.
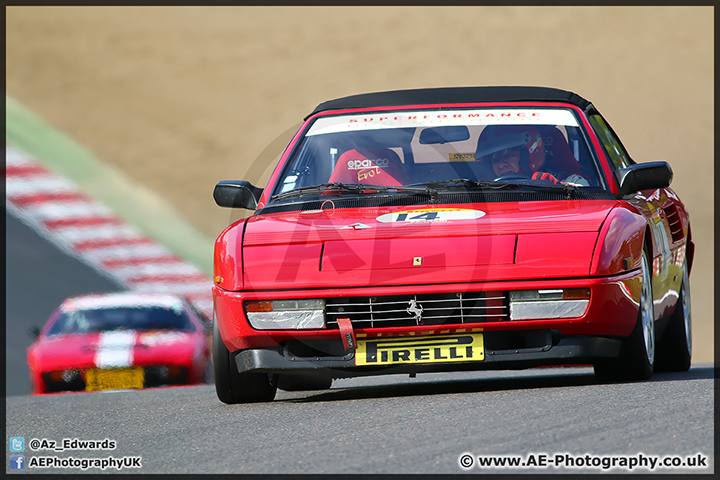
column 419, row 309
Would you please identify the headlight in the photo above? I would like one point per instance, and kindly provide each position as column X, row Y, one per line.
column 555, row 303
column 286, row 314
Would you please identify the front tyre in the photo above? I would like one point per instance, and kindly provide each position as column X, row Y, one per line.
column 675, row 346
column 637, row 353
column 232, row 386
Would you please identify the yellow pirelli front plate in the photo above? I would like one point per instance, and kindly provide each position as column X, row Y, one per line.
column 425, row 349
column 114, row 378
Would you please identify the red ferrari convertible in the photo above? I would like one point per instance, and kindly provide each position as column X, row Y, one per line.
column 120, row 341
column 451, row 229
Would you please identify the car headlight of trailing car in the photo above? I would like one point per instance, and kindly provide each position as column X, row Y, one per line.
column 548, row 304
column 286, row 314
column 65, row 376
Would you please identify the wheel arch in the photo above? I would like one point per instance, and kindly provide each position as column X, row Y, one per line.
column 649, row 242
column 689, row 250
column 620, row 242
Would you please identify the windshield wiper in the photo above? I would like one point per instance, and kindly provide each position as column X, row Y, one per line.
column 465, row 182
column 570, row 190
column 353, row 187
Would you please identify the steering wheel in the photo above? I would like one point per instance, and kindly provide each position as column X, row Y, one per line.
column 512, row 176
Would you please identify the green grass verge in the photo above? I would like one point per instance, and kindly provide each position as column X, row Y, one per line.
column 136, row 205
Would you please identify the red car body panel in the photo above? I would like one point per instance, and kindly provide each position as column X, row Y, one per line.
column 332, row 253
column 319, row 250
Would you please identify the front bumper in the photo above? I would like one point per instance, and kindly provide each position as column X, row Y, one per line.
column 612, row 312
column 503, row 350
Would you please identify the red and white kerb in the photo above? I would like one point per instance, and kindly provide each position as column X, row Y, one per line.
column 88, row 230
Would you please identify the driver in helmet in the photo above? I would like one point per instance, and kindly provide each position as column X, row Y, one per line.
column 520, row 152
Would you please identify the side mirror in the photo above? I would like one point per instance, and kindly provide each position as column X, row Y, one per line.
column 34, row 332
column 644, row 176
column 237, row 194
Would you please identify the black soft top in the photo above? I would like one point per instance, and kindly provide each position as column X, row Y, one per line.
column 427, row 96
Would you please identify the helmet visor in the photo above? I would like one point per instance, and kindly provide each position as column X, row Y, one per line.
column 496, row 146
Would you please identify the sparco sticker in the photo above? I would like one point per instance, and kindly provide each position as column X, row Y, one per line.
column 431, row 215
column 368, row 163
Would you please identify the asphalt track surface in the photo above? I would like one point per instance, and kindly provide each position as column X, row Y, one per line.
column 385, row 425
column 391, row 424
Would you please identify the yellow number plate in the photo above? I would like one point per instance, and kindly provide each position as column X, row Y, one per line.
column 114, row 379
column 430, row 349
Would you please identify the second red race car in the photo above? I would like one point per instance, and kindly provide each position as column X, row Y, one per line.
column 451, row 229
column 120, row 341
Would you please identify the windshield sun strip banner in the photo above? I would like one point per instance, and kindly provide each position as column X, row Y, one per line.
column 435, row 118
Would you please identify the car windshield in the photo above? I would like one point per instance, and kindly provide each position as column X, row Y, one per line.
column 440, row 150
column 121, row 318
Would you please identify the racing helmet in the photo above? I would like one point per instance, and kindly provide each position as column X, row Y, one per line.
column 496, row 139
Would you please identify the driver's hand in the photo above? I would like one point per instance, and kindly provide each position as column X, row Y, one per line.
column 545, row 176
